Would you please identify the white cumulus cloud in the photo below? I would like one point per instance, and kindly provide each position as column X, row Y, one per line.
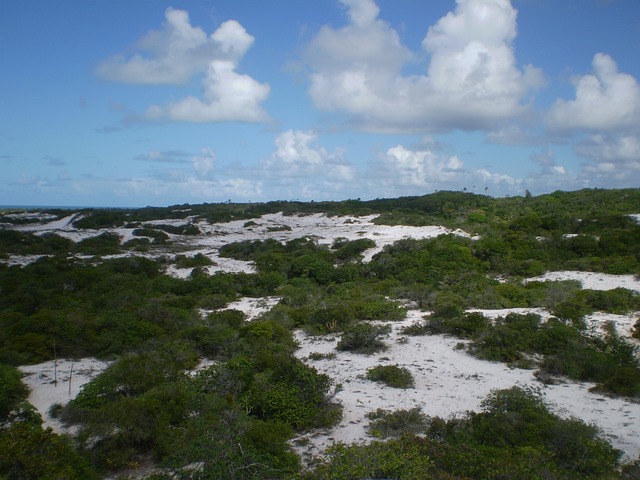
column 471, row 82
column 298, row 154
column 416, row 171
column 606, row 100
column 301, row 167
column 228, row 96
column 422, row 167
column 179, row 52
column 605, row 116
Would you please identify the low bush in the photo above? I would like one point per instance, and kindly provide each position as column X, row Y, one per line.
column 385, row 423
column 197, row 260
column 363, row 338
column 12, row 390
column 391, row 375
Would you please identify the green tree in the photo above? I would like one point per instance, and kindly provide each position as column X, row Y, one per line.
column 12, row 390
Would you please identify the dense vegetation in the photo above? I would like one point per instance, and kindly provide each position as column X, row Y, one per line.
column 513, row 437
column 235, row 417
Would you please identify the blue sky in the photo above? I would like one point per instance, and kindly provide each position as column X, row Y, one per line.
column 135, row 102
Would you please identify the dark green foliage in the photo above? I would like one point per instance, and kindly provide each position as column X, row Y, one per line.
column 157, row 236
column 508, row 338
column 517, row 417
column 351, row 250
column 466, row 325
column 16, row 242
column 134, row 374
column 12, row 390
column 384, row 423
column 103, row 244
column 102, row 218
column 363, row 338
column 404, row 458
column 391, row 375
column 197, row 260
column 81, row 310
column 27, row 451
column 188, row 229
column 292, row 393
column 514, row 436
column 635, row 332
column 235, row 418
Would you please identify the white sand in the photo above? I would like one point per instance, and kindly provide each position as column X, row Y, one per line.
column 448, row 382
column 324, row 229
column 71, row 375
column 592, row 280
column 253, row 307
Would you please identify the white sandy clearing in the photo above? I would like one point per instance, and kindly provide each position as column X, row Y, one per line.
column 71, row 375
column 283, row 228
column 624, row 324
column 253, row 307
column 448, row 382
column 592, row 280
column 64, row 223
column 324, row 229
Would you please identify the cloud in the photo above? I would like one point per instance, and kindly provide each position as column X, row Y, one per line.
column 228, row 96
column 205, row 162
column 472, row 80
column 604, row 116
column 298, row 154
column 613, row 158
column 545, row 158
column 167, row 156
column 178, row 185
column 422, row 167
column 606, row 100
column 179, row 52
column 408, row 171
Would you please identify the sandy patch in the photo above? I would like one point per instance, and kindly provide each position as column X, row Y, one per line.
column 448, row 382
column 58, row 382
column 253, row 307
column 324, row 229
column 592, row 280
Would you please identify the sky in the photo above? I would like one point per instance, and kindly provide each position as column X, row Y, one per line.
column 129, row 103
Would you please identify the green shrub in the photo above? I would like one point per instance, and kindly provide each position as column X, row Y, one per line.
column 29, row 452
column 363, row 338
column 12, row 390
column 403, row 458
column 384, row 423
column 391, row 375
column 158, row 236
column 197, row 260
column 417, row 329
column 467, row 325
column 350, row 250
column 635, row 331
column 103, row 244
column 293, row 393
